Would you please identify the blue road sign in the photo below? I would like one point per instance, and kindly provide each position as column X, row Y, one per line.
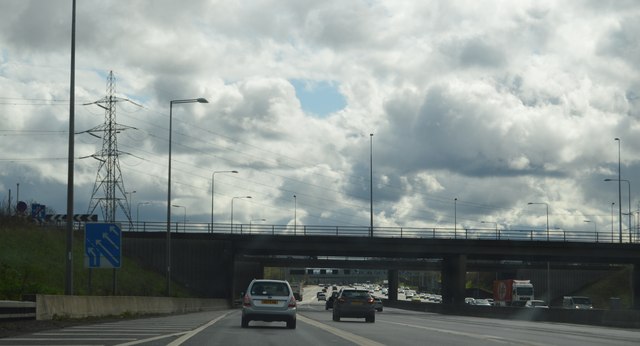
column 38, row 211
column 102, row 245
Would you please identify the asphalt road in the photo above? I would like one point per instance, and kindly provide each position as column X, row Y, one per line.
column 315, row 327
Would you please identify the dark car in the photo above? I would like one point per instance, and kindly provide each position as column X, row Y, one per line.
column 329, row 303
column 377, row 303
column 354, row 303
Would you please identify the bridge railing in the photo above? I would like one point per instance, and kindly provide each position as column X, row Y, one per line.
column 383, row 232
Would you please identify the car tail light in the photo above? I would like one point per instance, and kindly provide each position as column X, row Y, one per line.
column 370, row 300
column 292, row 302
column 341, row 300
column 246, row 301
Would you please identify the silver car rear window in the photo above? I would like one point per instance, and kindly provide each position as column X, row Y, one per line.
column 270, row 289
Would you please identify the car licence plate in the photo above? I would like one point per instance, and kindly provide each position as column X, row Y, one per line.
column 356, row 303
column 269, row 302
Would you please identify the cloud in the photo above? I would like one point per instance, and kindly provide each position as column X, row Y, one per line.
column 496, row 104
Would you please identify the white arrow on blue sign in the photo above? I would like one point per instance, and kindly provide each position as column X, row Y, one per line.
column 102, row 245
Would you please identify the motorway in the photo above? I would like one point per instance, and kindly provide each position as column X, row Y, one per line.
column 315, row 327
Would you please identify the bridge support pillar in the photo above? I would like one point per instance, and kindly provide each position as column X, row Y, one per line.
column 635, row 286
column 392, row 277
column 454, row 269
column 243, row 274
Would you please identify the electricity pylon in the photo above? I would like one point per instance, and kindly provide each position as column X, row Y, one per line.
column 109, row 177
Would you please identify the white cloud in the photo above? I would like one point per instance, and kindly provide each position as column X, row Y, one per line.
column 494, row 103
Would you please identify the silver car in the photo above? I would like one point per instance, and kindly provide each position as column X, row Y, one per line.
column 269, row 300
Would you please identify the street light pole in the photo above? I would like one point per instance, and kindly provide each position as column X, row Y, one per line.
column 547, row 205
column 629, row 195
column 251, row 223
column 232, row 209
column 371, row 183
column 619, row 193
column 138, row 214
column 212, row 186
column 612, row 204
column 130, row 201
column 455, row 217
column 497, row 236
column 295, row 214
column 595, row 228
column 168, row 237
column 184, row 219
column 68, row 282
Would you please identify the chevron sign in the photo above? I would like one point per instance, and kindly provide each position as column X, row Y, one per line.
column 102, row 245
column 76, row 217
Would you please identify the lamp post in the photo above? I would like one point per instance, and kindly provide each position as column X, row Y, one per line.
column 547, row 205
column 232, row 209
column 184, row 219
column 138, row 214
column 629, row 211
column 595, row 228
column 130, row 201
column 497, row 236
column 251, row 223
column 455, row 217
column 68, row 279
column 168, row 240
column 212, row 185
column 612, row 204
column 619, row 192
column 295, row 214
column 371, row 183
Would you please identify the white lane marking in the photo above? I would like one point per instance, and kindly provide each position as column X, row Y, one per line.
column 188, row 335
column 151, row 339
column 66, row 339
column 183, row 336
column 469, row 335
column 356, row 339
column 99, row 333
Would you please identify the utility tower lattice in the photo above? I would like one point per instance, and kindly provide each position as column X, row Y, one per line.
column 109, row 176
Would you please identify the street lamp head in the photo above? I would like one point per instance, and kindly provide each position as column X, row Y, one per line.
column 234, row 171
column 616, row 139
column 202, row 100
column 608, row 179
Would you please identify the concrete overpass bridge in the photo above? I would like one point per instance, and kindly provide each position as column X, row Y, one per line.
column 220, row 264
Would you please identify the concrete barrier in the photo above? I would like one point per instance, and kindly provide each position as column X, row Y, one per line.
column 55, row 306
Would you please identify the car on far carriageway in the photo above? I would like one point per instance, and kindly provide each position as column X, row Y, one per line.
column 269, row 300
column 356, row 303
column 481, row 302
column 534, row 303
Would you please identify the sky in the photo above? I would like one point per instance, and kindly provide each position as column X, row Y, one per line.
column 476, row 109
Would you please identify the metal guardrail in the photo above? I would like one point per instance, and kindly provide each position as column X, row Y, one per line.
column 381, row 232
column 13, row 310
